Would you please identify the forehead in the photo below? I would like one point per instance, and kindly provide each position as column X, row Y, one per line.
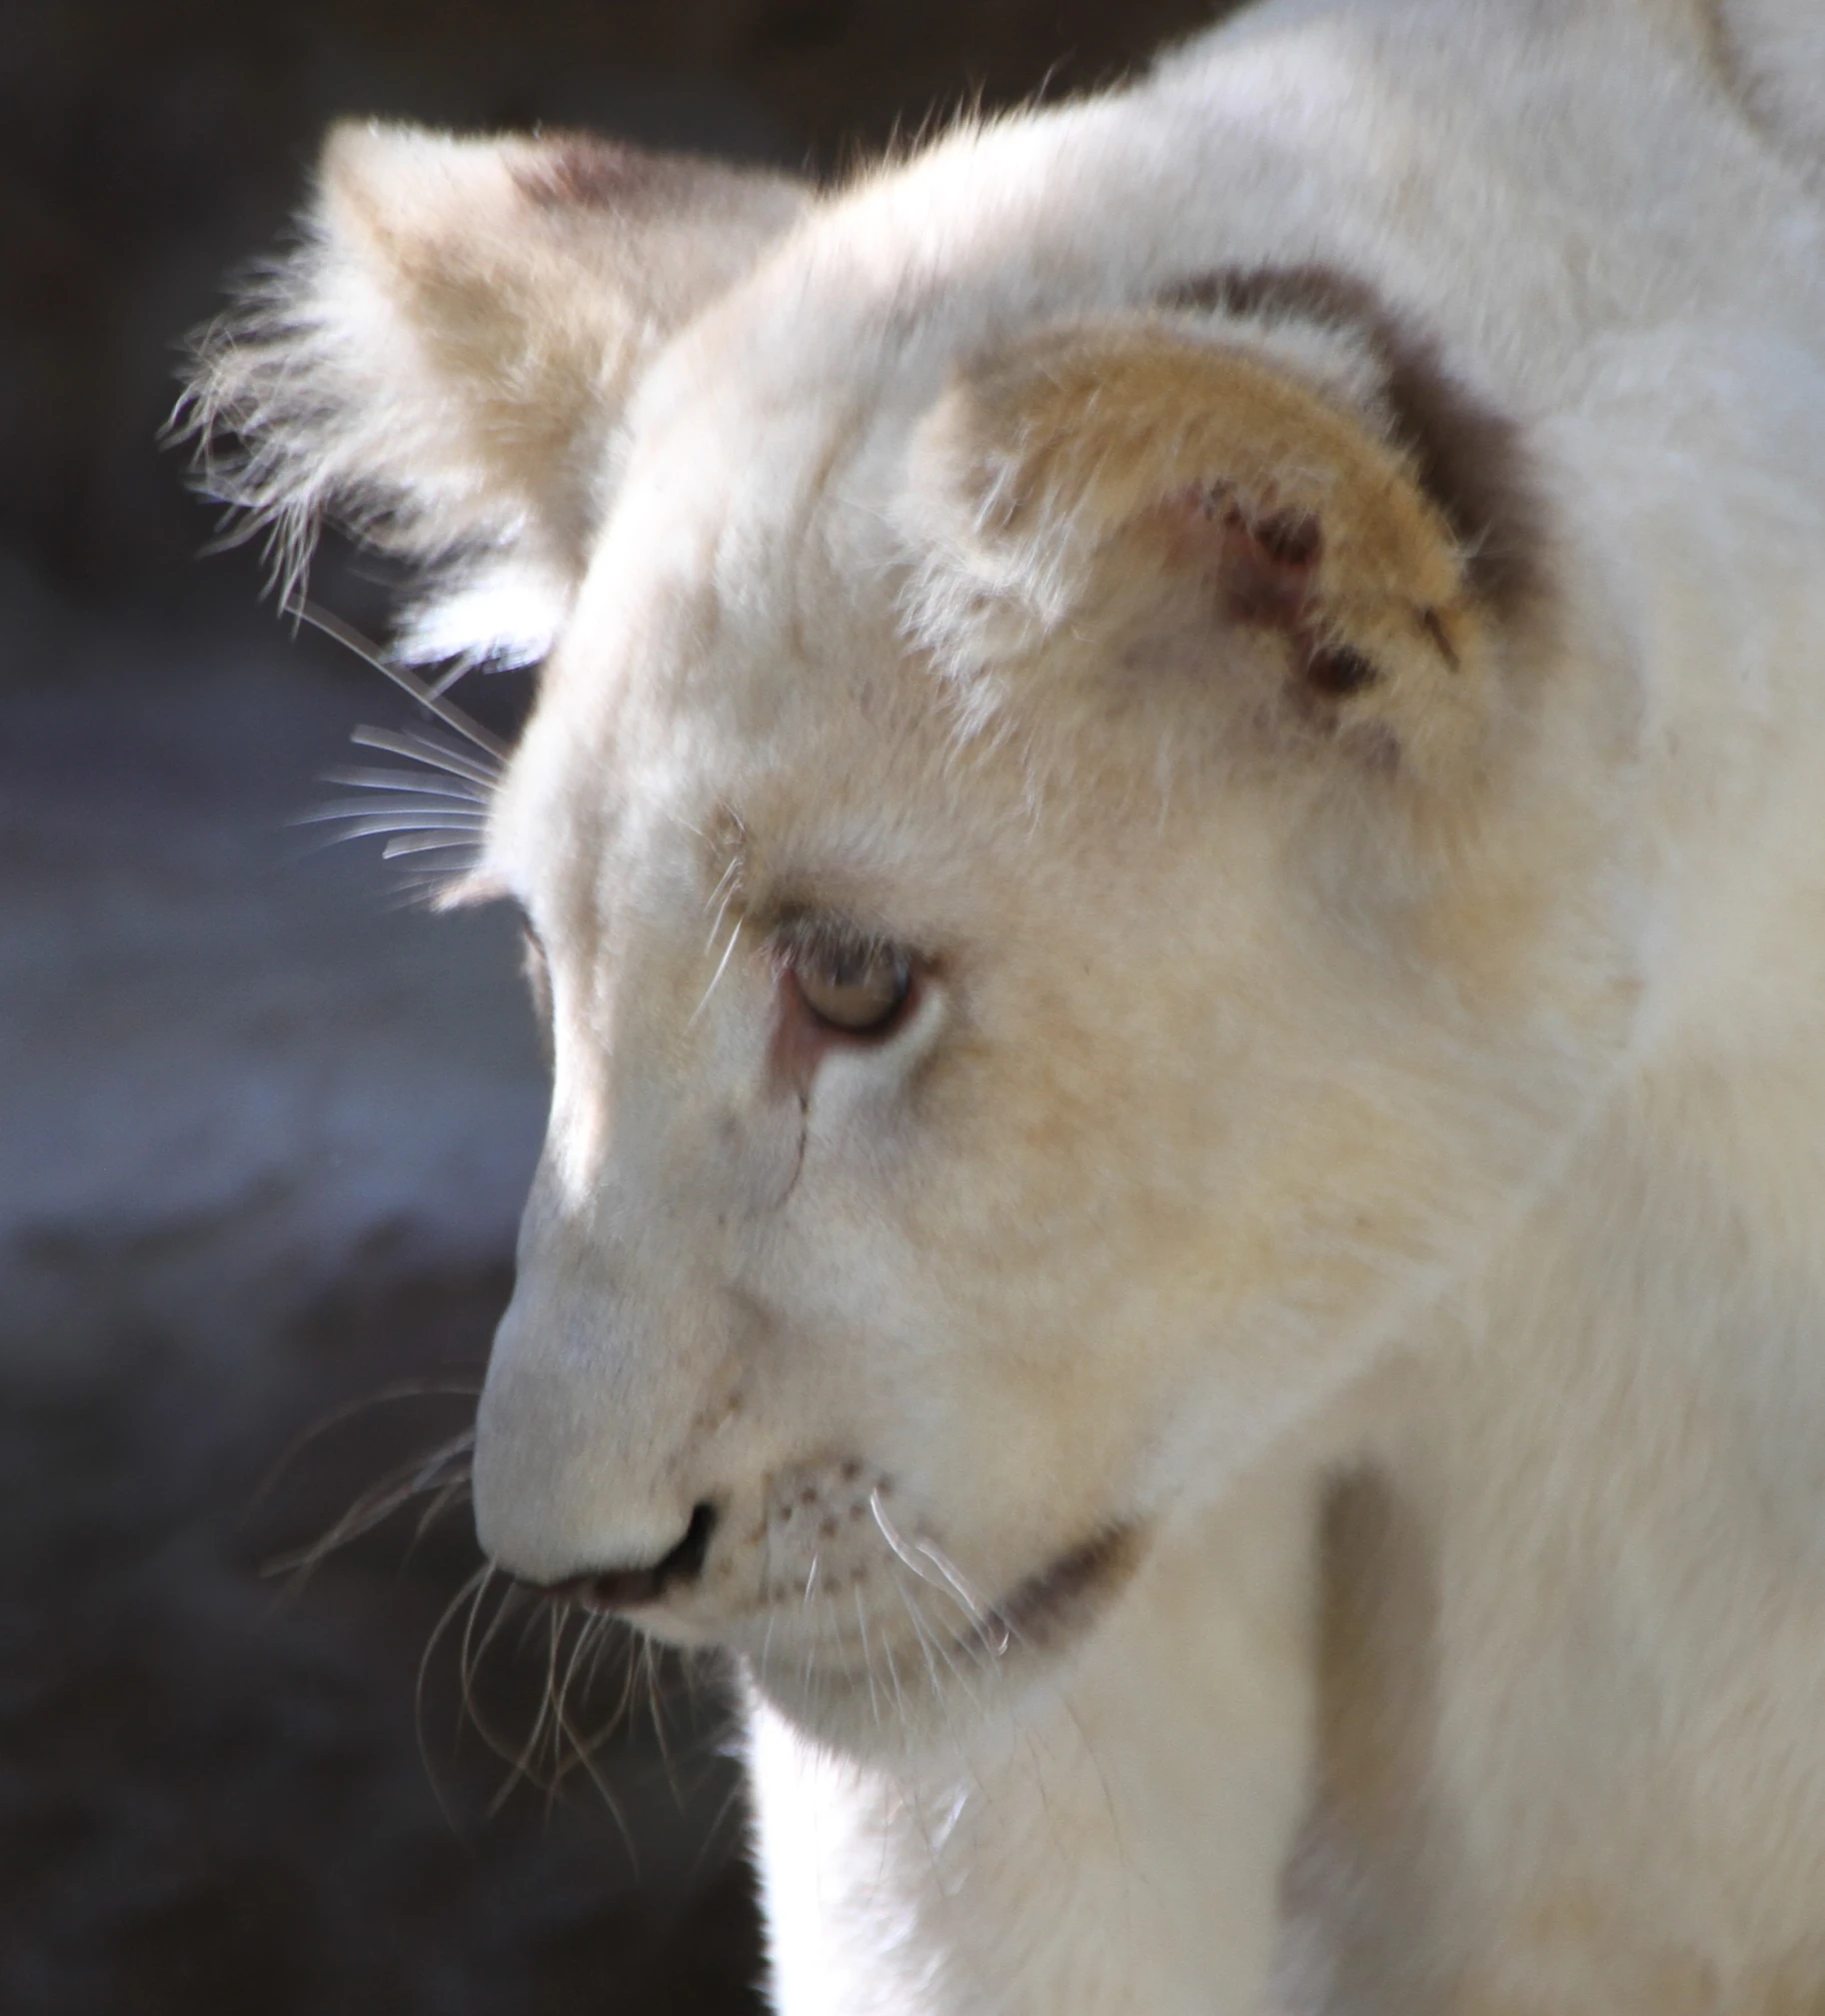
column 735, row 656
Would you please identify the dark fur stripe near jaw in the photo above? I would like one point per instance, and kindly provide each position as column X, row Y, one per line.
column 1469, row 458
column 1048, row 1604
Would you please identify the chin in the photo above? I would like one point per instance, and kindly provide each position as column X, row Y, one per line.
column 876, row 1691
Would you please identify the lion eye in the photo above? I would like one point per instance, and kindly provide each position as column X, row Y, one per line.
column 857, row 986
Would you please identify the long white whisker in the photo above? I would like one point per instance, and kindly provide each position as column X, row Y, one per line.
column 810, row 1582
column 720, row 898
column 947, row 1576
column 427, row 695
column 426, row 809
column 450, row 785
column 867, row 1657
column 428, row 843
column 720, row 965
column 920, row 1635
column 428, row 750
column 365, row 825
column 766, row 1644
column 943, row 1645
column 886, row 1653
column 989, row 1621
column 463, row 667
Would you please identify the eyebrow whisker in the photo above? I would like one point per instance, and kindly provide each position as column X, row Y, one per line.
column 720, row 965
column 431, row 699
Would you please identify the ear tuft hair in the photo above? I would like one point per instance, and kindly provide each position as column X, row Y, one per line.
column 441, row 363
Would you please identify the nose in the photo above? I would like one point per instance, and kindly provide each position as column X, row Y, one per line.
column 585, row 1453
column 636, row 1587
column 594, row 1472
column 563, row 1504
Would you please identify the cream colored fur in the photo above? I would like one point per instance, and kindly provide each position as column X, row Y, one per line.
column 1266, row 1440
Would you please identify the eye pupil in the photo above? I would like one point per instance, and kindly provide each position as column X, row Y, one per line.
column 859, row 988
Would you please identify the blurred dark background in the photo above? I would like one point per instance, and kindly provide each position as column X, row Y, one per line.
column 264, row 1125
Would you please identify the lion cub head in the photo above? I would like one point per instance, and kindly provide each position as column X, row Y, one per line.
column 1063, row 838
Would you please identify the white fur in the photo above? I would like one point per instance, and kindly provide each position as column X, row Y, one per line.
column 1375, row 1167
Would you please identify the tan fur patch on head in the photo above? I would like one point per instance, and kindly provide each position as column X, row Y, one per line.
column 1080, row 433
column 1268, row 476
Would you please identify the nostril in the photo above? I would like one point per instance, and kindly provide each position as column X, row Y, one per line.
column 632, row 1588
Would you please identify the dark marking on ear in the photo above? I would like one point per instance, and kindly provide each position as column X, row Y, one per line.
column 583, row 170
column 1265, row 566
column 1266, row 571
column 1469, row 458
column 1435, row 630
column 1336, row 671
column 1290, row 538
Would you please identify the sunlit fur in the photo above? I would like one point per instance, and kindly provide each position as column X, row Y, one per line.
column 1263, row 1439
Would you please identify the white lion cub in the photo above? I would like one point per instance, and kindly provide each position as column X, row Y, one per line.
column 1177, row 821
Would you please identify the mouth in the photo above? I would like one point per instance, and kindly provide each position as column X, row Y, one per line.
column 833, row 1678
column 617, row 1592
column 1002, row 1642
column 1046, row 1609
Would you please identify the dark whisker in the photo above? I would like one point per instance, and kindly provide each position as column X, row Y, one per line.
column 469, row 1670
column 522, row 1762
column 585, row 1761
column 453, row 1494
column 403, row 1390
column 468, row 1595
column 377, row 1503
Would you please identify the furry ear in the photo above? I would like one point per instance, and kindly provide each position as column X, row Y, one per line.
column 441, row 363
column 1266, row 470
